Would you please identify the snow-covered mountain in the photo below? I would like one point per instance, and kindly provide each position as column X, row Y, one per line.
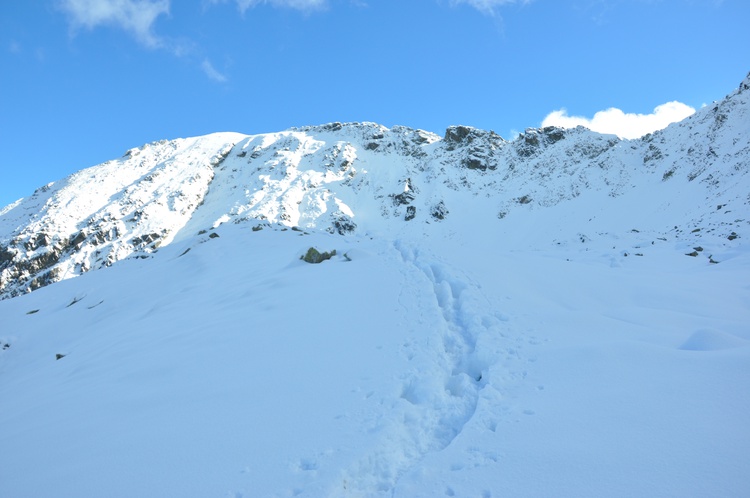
column 363, row 178
column 564, row 314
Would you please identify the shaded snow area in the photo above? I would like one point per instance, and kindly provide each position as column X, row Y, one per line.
column 226, row 366
column 565, row 314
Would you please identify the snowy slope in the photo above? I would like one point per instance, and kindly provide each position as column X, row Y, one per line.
column 565, row 314
column 235, row 369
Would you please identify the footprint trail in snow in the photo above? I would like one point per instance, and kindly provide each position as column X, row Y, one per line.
column 449, row 370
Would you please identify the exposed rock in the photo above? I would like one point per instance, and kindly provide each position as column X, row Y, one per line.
column 553, row 134
column 44, row 279
column 474, row 162
column 527, row 144
column 332, row 126
column 78, row 239
column 462, row 136
column 653, row 153
column 6, row 256
column 457, row 134
column 314, row 256
column 411, row 212
column 146, row 239
column 37, row 241
column 533, row 141
column 42, row 261
column 439, row 211
column 403, row 198
column 745, row 85
column 343, row 224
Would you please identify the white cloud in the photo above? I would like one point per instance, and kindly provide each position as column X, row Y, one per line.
column 211, row 71
column 624, row 125
column 305, row 5
column 487, row 6
column 134, row 16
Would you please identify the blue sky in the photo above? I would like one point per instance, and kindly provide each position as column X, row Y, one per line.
column 81, row 81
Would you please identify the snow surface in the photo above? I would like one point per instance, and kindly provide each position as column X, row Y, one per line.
column 236, row 369
column 575, row 322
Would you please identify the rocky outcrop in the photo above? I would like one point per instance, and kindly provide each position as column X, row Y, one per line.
column 475, row 149
column 533, row 141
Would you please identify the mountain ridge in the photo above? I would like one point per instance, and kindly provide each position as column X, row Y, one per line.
column 357, row 178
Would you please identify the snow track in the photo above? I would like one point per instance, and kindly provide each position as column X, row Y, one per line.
column 449, row 369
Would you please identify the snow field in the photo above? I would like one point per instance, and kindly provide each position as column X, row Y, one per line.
column 235, row 369
column 198, row 371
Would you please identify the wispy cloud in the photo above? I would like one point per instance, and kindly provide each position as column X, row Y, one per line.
column 624, row 125
column 212, row 72
column 134, row 16
column 138, row 19
column 488, row 6
column 304, row 5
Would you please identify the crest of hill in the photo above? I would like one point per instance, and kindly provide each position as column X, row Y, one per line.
column 354, row 179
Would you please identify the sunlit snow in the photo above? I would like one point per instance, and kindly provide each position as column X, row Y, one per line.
column 570, row 319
